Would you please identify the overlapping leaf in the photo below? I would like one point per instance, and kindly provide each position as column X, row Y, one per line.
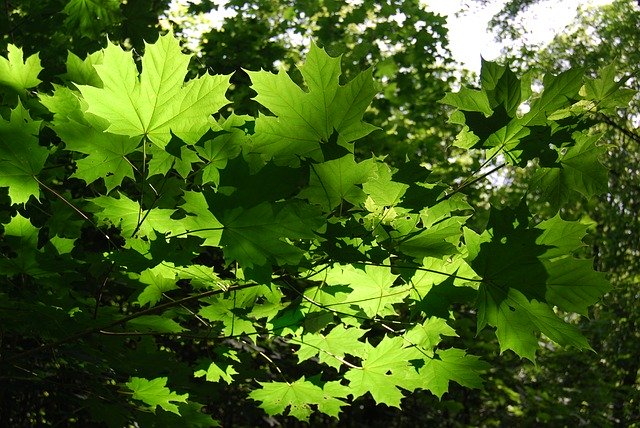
column 298, row 397
column 526, row 271
column 106, row 153
column 19, row 74
column 305, row 119
column 21, row 157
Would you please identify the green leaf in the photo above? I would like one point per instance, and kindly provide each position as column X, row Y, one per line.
column 516, row 318
column 257, row 236
column 526, row 271
column 155, row 323
column 304, row 119
column 382, row 189
column 450, row 365
column 159, row 279
column 490, row 74
column 372, row 289
column 162, row 162
column 508, row 92
column 21, row 157
column 222, row 147
column 337, row 180
column 130, row 217
column 231, row 314
column 106, row 153
column 469, row 100
column 157, row 102
column 22, row 237
column 332, row 347
column 436, row 241
column 385, row 367
column 155, row 393
column 580, row 171
column 91, row 16
column 17, row 74
column 429, row 334
column 606, row 91
column 559, row 91
column 214, row 373
column 298, row 396
column 83, row 72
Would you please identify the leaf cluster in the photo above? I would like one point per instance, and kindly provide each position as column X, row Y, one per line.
column 156, row 253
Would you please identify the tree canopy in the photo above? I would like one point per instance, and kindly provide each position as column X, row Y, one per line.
column 259, row 235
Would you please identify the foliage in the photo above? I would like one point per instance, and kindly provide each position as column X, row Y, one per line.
column 200, row 247
column 403, row 42
column 78, row 26
column 599, row 389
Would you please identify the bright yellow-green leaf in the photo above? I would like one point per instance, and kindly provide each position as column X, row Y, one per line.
column 17, row 74
column 21, row 157
column 155, row 393
column 156, row 102
column 305, row 119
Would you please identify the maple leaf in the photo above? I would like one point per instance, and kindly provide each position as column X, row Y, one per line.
column 336, row 180
column 385, row 367
column 222, row 147
column 82, row 71
column 304, row 119
column 558, row 92
column 524, row 271
column 155, row 323
column 214, row 373
column 333, row 346
column 159, row 279
column 606, row 90
column 257, row 235
column 21, row 157
column 436, row 241
column 155, row 393
column 580, row 171
column 91, row 16
column 218, row 370
column 449, row 365
column 429, row 334
column 436, row 271
column 130, row 217
column 298, row 396
column 200, row 221
column 372, row 288
column 23, row 238
column 469, row 100
column 157, row 102
column 162, row 161
column 17, row 74
column 382, row 189
column 517, row 318
column 232, row 315
column 106, row 152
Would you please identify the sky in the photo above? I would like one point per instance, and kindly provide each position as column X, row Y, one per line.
column 469, row 39
column 468, row 36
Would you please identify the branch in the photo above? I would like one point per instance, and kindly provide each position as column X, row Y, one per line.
column 123, row 320
column 627, row 132
column 469, row 183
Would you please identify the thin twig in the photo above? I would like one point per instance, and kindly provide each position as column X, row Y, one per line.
column 123, row 320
